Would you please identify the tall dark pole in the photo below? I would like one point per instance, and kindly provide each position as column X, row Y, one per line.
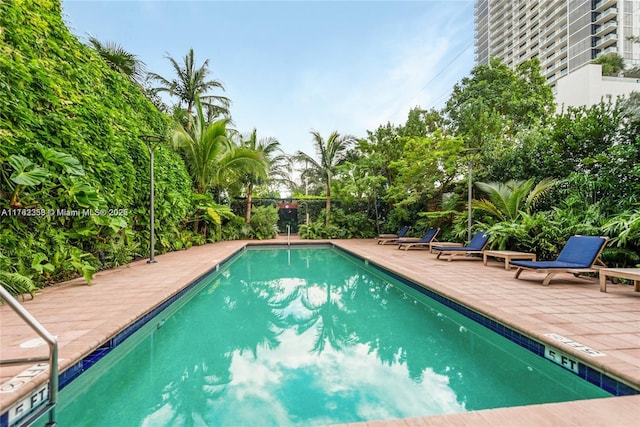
column 469, row 200
column 150, row 140
column 469, row 152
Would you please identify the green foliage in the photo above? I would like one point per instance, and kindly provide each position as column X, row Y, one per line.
column 594, row 151
column 330, row 154
column 612, row 63
column 382, row 146
column 341, row 226
column 625, row 227
column 359, row 225
column 426, row 170
column 351, row 225
column 537, row 233
column 120, row 60
column 320, row 230
column 511, row 199
column 211, row 157
column 211, row 216
column 190, row 84
column 235, row 228
column 396, row 218
column 17, row 284
column 496, row 101
column 276, row 166
column 264, row 222
column 71, row 149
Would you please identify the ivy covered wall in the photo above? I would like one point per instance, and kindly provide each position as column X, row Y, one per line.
column 74, row 170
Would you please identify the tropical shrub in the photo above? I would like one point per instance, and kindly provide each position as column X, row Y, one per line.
column 536, row 233
column 341, row 226
column 509, row 200
column 264, row 222
column 358, row 225
column 624, row 228
column 320, row 230
column 17, row 284
column 235, row 228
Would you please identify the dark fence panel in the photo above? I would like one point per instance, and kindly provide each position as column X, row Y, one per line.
column 309, row 210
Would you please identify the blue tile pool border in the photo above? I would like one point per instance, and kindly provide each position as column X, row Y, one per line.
column 586, row 372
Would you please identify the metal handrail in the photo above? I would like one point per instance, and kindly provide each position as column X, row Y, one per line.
column 53, row 358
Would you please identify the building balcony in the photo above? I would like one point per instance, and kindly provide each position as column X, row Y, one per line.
column 551, row 26
column 603, row 4
column 607, row 15
column 606, row 41
column 498, row 15
column 552, row 11
column 550, row 48
column 481, row 11
column 606, row 28
column 556, row 35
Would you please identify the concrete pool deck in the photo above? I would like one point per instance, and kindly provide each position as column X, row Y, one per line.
column 83, row 317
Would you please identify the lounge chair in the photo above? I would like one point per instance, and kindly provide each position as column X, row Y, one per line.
column 425, row 242
column 578, row 256
column 475, row 246
column 387, row 239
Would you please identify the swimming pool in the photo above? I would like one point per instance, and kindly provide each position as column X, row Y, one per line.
column 308, row 337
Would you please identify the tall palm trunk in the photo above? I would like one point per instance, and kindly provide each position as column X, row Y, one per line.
column 249, row 198
column 328, row 202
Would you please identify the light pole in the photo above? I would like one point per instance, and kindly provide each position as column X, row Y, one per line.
column 151, row 141
column 306, row 191
column 469, row 151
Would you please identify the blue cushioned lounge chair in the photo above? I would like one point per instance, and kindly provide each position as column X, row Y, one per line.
column 475, row 246
column 423, row 243
column 579, row 255
column 388, row 239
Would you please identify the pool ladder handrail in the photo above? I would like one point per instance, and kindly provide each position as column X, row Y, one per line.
column 52, row 358
column 288, row 235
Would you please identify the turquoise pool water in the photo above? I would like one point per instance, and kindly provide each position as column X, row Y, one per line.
column 308, row 337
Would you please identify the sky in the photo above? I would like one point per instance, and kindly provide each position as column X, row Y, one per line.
column 290, row 67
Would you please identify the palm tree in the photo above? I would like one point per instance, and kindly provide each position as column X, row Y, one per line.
column 278, row 165
column 330, row 153
column 190, row 84
column 211, row 156
column 508, row 200
column 612, row 63
column 120, row 60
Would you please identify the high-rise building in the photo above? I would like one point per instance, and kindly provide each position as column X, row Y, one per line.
column 565, row 35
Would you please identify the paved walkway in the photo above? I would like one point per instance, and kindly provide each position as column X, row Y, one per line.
column 83, row 317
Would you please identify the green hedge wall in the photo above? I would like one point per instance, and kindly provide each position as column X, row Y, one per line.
column 70, row 144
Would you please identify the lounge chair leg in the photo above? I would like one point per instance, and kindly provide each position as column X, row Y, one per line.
column 518, row 273
column 438, row 256
column 547, row 279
